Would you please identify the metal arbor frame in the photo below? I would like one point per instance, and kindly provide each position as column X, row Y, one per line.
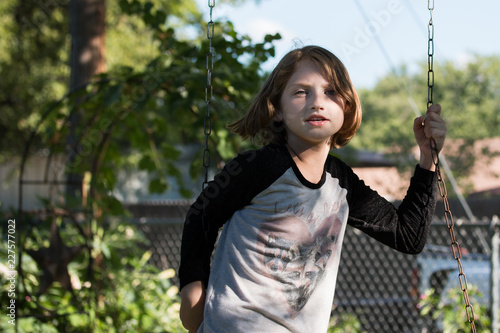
column 53, row 260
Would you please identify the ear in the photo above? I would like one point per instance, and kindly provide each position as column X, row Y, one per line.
column 278, row 116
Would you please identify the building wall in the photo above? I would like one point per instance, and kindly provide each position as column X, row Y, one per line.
column 37, row 169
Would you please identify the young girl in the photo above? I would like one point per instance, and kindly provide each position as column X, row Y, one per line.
column 284, row 208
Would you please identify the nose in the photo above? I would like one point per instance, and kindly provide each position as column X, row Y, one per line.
column 317, row 102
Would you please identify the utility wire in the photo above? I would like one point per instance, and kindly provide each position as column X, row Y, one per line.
column 417, row 112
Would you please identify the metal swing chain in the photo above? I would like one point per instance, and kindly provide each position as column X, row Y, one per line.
column 207, row 124
column 455, row 248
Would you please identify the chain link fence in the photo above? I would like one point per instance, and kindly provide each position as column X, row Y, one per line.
column 377, row 286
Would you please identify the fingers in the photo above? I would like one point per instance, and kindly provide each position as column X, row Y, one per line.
column 434, row 125
column 430, row 127
column 435, row 108
column 418, row 123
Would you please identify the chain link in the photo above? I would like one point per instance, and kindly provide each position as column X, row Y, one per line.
column 448, row 216
column 430, row 56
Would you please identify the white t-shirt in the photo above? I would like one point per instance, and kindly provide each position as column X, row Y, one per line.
column 277, row 258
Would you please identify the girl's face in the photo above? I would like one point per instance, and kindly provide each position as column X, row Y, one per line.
column 310, row 108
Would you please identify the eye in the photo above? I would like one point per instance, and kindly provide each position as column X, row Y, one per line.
column 329, row 92
column 300, row 92
column 293, row 275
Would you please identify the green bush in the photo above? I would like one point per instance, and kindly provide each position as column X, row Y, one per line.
column 114, row 291
column 449, row 313
column 344, row 323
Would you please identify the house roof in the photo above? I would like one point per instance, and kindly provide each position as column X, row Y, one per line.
column 485, row 176
column 482, row 183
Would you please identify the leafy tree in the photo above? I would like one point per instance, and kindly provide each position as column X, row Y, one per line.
column 34, row 64
column 470, row 99
column 471, row 95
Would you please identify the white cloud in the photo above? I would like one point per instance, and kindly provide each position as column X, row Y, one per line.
column 463, row 59
column 260, row 27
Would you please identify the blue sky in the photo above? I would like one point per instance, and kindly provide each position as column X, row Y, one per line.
column 462, row 28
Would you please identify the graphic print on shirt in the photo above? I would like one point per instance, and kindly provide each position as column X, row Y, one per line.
column 296, row 254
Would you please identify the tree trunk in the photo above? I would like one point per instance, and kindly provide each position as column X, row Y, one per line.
column 87, row 29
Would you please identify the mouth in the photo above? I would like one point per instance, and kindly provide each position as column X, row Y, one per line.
column 316, row 120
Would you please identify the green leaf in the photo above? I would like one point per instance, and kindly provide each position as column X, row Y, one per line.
column 112, row 205
column 147, row 163
column 105, row 250
column 170, row 152
column 185, row 193
column 158, row 185
column 145, row 257
column 113, row 94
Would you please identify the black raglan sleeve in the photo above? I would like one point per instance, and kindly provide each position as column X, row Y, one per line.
column 404, row 228
column 232, row 189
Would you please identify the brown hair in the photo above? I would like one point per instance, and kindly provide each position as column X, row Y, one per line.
column 259, row 122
